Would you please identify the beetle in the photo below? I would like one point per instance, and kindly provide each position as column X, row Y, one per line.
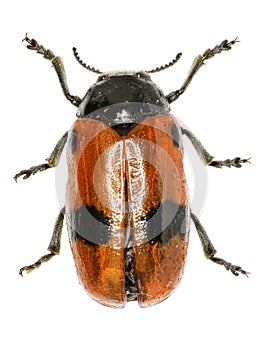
column 127, row 208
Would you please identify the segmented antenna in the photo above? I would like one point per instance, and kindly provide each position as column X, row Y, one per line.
column 159, row 69
column 92, row 69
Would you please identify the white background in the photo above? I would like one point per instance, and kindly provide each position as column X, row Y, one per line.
column 211, row 309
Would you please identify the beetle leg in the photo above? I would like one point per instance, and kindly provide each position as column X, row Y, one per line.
column 236, row 162
column 54, row 245
column 197, row 64
column 52, row 160
column 207, row 158
column 210, row 251
column 57, row 63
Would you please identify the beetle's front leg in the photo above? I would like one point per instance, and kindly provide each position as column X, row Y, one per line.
column 198, row 62
column 52, row 160
column 58, row 64
column 207, row 158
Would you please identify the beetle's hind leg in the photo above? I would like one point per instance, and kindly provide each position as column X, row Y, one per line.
column 54, row 245
column 207, row 158
column 210, row 251
column 32, row 171
column 52, row 160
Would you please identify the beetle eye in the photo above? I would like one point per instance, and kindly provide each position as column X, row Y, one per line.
column 143, row 75
column 101, row 77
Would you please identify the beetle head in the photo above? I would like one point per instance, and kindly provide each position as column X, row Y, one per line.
column 121, row 87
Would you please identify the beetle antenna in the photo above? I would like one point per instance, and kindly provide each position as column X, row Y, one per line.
column 159, row 69
column 92, row 69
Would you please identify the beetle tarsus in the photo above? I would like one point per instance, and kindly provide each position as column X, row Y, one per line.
column 36, row 265
column 224, row 46
column 235, row 162
column 34, row 45
column 230, row 267
column 32, row 171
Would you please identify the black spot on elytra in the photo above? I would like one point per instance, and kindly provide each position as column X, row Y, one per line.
column 160, row 224
column 90, row 224
column 169, row 220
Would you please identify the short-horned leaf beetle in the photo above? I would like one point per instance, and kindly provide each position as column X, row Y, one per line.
column 127, row 208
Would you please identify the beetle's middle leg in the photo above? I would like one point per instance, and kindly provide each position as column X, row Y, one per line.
column 52, row 160
column 210, row 251
column 207, row 158
column 54, row 245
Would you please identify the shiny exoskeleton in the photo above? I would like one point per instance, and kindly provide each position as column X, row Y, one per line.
column 127, row 208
